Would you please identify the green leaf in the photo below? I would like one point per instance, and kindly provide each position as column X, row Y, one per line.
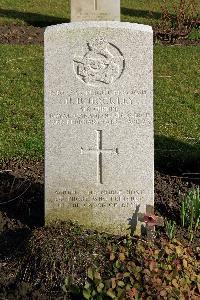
column 128, row 287
column 117, row 264
column 121, row 283
column 132, row 280
column 97, row 275
column 90, row 273
column 126, row 274
column 87, row 285
column 100, row 287
column 119, row 293
column 111, row 294
column 66, row 281
column 86, row 294
column 64, row 288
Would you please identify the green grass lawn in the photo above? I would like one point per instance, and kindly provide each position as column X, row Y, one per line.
column 177, row 102
column 35, row 12
column 21, row 96
column 47, row 12
column 177, row 105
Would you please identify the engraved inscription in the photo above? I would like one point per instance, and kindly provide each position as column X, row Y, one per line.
column 100, row 93
column 102, row 64
column 101, row 107
column 97, row 15
column 99, row 152
column 124, row 199
column 101, row 116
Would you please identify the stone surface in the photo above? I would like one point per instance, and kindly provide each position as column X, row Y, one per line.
column 99, row 124
column 95, row 10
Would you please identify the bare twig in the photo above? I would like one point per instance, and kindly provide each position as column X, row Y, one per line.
column 11, row 200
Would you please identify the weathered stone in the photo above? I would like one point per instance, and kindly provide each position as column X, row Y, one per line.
column 95, row 10
column 99, row 124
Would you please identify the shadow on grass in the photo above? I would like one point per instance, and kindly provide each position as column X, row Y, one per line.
column 22, row 199
column 173, row 157
column 140, row 13
column 33, row 19
column 23, row 203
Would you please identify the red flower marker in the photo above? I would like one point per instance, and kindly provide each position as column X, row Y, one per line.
column 151, row 220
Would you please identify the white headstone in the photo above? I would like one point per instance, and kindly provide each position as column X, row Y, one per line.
column 95, row 10
column 99, row 124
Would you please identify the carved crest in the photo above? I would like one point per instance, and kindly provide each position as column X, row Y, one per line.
column 102, row 64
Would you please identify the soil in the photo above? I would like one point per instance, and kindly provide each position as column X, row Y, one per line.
column 22, row 35
column 25, row 35
column 22, row 194
column 22, row 211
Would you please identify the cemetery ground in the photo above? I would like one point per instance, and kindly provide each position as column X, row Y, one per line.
column 37, row 261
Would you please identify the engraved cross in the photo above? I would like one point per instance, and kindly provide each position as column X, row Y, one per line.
column 95, row 4
column 99, row 153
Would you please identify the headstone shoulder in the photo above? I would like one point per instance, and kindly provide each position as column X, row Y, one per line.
column 95, row 10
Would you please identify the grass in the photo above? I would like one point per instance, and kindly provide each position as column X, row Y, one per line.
column 177, row 102
column 170, row 228
column 35, row 12
column 21, row 90
column 47, row 12
column 176, row 98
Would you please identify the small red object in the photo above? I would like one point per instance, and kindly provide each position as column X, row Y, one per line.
column 150, row 220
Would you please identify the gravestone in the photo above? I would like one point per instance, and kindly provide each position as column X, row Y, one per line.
column 95, row 10
column 99, row 124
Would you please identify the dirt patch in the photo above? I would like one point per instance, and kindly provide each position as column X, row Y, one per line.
column 26, row 35
column 22, row 35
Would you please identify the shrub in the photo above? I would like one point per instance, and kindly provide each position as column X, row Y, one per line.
column 179, row 23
